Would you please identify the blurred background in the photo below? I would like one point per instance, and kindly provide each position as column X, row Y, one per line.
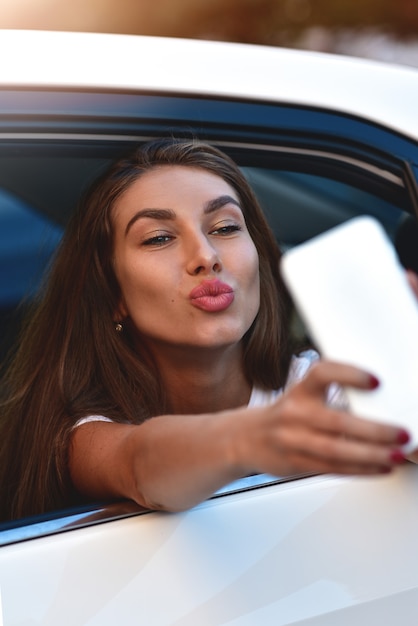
column 380, row 29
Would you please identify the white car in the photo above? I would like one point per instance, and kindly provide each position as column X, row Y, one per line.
column 322, row 139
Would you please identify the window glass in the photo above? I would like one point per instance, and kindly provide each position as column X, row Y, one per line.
column 27, row 241
column 300, row 206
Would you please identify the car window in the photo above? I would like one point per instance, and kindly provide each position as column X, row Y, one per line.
column 301, row 198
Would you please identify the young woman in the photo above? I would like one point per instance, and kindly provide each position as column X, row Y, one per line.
column 158, row 363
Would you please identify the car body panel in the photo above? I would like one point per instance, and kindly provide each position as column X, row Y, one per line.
column 317, row 549
column 179, row 66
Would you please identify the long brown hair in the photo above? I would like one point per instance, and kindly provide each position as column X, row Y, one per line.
column 70, row 361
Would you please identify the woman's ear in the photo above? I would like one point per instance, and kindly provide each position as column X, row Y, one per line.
column 121, row 312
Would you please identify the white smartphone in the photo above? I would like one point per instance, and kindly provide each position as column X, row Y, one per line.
column 353, row 295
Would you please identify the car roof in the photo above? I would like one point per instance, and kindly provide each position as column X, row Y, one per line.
column 384, row 94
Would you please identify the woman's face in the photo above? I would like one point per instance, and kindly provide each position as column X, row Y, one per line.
column 185, row 262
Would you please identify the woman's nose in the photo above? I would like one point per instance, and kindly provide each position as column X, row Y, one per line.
column 203, row 257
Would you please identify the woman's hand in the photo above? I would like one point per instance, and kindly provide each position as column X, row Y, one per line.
column 300, row 433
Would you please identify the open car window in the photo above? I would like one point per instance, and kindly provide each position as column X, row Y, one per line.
column 301, row 192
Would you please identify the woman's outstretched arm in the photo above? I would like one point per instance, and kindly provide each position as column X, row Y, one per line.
column 173, row 462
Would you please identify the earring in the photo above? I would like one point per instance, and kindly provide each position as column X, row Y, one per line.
column 118, row 327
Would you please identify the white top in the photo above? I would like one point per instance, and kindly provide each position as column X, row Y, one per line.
column 259, row 397
column 298, row 369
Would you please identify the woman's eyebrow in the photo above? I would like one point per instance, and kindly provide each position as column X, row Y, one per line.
column 218, row 203
column 169, row 214
column 155, row 214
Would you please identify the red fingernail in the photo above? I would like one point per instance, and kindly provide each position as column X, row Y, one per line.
column 403, row 437
column 373, row 382
column 397, row 457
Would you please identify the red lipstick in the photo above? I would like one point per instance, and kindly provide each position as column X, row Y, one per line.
column 212, row 296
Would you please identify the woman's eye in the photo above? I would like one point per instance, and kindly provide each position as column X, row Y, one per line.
column 226, row 230
column 157, row 240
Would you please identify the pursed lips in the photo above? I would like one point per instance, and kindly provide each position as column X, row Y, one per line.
column 212, row 296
